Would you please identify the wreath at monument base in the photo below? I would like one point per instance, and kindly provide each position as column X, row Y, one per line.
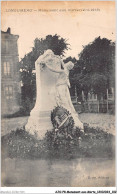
column 62, row 120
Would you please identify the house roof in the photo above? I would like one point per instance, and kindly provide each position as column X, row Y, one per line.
column 8, row 33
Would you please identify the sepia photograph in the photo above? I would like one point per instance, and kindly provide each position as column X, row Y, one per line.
column 58, row 94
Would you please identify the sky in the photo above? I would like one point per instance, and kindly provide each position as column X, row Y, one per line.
column 62, row 18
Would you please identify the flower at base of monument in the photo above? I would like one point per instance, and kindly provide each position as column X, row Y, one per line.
column 56, row 129
column 62, row 119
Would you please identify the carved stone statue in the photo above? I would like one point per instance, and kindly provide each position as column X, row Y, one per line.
column 52, row 83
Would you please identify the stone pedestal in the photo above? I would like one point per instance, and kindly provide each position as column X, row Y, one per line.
column 49, row 95
column 40, row 117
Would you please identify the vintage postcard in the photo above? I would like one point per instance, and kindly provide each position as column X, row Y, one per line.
column 58, row 94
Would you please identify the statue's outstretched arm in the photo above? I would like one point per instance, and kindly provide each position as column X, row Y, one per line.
column 56, row 71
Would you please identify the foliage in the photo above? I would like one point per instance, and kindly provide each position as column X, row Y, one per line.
column 95, row 69
column 97, row 65
column 61, row 115
column 93, row 143
column 57, row 44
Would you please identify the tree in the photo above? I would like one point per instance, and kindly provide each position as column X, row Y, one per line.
column 96, row 64
column 27, row 64
column 57, row 44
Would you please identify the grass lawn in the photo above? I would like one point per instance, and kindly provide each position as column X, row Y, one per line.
column 27, row 161
column 104, row 121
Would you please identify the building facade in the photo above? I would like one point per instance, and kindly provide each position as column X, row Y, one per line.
column 10, row 78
